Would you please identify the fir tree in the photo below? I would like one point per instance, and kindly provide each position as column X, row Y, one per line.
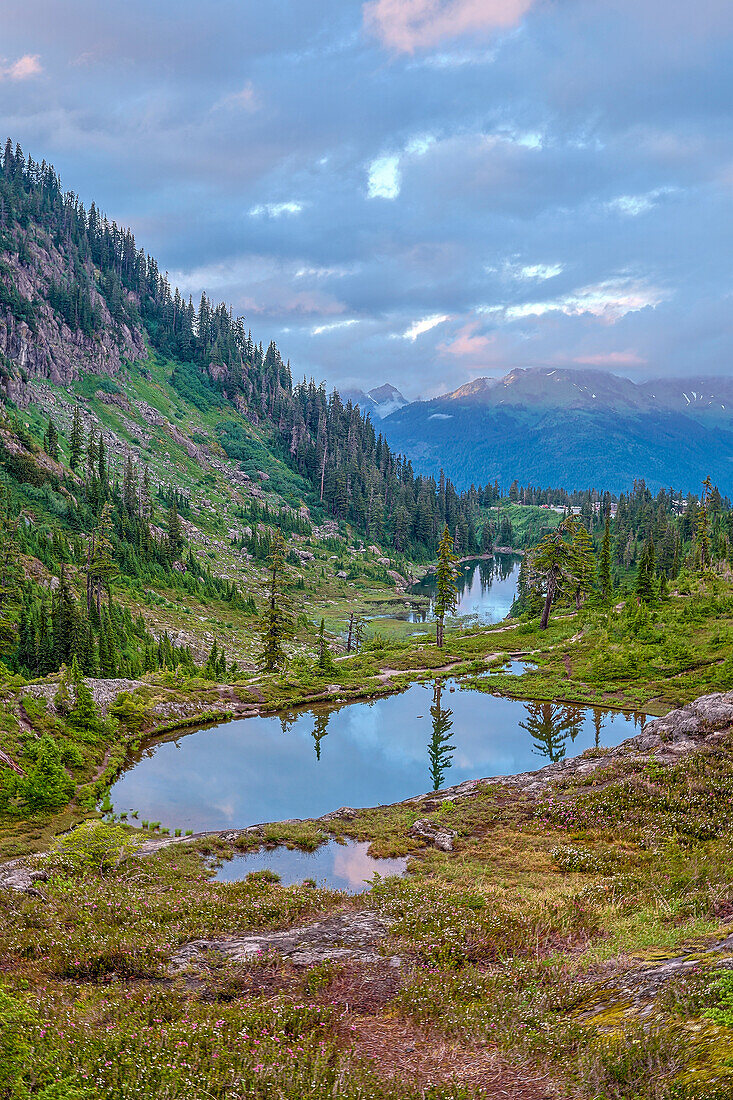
column 325, row 660
column 51, row 441
column 174, row 531
column 83, row 715
column 605, row 581
column 446, row 593
column 276, row 619
column 76, row 440
column 46, row 785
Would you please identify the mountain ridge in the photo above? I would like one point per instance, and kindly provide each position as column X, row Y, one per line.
column 571, row 427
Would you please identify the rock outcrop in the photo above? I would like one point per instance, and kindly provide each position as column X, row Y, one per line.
column 353, row 936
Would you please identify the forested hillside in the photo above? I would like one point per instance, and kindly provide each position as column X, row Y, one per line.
column 78, row 295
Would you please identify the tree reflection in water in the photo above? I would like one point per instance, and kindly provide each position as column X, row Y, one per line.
column 550, row 724
column 320, row 729
column 439, row 751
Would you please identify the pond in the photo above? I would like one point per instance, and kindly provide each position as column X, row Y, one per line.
column 337, row 866
column 487, row 588
column 310, row 761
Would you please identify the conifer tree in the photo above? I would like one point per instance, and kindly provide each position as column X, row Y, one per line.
column 83, row 714
column 446, row 593
column 276, row 618
column 76, row 439
column 174, row 531
column 702, row 531
column 11, row 574
column 583, row 565
column 325, row 660
column 46, row 785
column 605, row 581
column 51, row 441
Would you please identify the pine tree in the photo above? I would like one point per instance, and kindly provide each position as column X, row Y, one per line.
column 51, row 441
column 83, row 715
column 605, row 581
column 276, row 618
column 11, row 574
column 46, row 786
column 325, row 660
column 702, row 532
column 174, row 531
column 583, row 565
column 644, row 587
column 446, row 593
column 76, row 439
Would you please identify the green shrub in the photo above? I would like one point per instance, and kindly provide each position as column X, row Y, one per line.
column 94, row 848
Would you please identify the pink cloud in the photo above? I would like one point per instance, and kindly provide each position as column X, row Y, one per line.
column 28, row 65
column 467, row 344
column 409, row 25
column 612, row 359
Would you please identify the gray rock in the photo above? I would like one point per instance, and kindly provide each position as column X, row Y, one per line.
column 353, row 936
column 437, row 835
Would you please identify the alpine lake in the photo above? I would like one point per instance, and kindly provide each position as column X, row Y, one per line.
column 308, row 761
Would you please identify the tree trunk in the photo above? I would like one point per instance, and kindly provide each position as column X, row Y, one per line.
column 351, row 629
column 551, row 583
column 439, row 632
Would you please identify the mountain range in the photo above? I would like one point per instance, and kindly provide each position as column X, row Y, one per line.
column 573, row 428
column 379, row 402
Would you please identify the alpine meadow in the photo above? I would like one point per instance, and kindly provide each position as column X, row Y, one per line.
column 366, row 717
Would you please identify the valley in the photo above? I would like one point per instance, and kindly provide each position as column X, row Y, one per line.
column 328, row 769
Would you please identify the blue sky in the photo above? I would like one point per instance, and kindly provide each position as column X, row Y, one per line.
column 419, row 191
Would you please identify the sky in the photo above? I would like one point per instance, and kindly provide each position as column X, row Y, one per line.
column 414, row 191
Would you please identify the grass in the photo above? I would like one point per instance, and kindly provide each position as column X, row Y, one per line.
column 517, row 940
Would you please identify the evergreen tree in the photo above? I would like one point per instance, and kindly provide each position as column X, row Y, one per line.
column 46, row 785
column 552, row 567
column 83, row 715
column 11, row 574
column 174, row 531
column 325, row 660
column 583, row 565
column 605, row 581
column 644, row 586
column 276, row 618
column 76, row 439
column 51, row 441
column 446, row 593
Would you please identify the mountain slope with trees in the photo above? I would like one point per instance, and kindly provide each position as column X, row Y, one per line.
column 570, row 428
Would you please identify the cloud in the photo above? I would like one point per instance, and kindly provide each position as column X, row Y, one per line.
column 609, row 301
column 275, row 209
column 26, row 66
column 425, row 325
column 246, row 99
column 384, row 180
column 333, row 324
column 468, row 344
column 409, row 25
column 612, row 360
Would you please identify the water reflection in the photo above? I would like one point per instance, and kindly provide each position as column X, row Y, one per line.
column 309, row 761
column 337, row 866
column 439, row 751
column 487, row 588
column 550, row 725
column 320, row 729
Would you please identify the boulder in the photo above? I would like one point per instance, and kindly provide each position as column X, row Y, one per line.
column 433, row 833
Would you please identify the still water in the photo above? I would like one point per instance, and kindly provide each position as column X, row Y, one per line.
column 337, row 866
column 308, row 762
column 486, row 589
